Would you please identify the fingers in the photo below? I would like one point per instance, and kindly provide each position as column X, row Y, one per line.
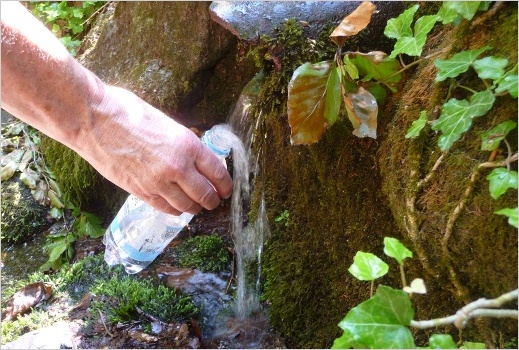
column 212, row 168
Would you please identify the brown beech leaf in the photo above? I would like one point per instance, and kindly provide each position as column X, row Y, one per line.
column 314, row 99
column 362, row 110
column 28, row 297
column 353, row 23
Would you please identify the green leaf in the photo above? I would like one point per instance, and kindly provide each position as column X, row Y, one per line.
column 59, row 247
column 511, row 213
column 490, row 67
column 501, row 180
column 447, row 15
column 413, row 45
column 456, row 116
column 467, row 9
column 56, row 213
column 472, row 345
column 351, row 68
column 441, row 341
column 381, row 321
column 401, row 26
column 395, row 249
column 311, row 101
column 417, row 126
column 377, row 65
column 490, row 139
column 457, row 64
column 367, row 267
column 333, row 97
column 508, row 83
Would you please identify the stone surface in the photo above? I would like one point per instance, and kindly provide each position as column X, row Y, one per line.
column 167, row 53
column 58, row 336
column 248, row 20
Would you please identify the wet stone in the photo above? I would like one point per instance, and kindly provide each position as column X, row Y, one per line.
column 249, row 20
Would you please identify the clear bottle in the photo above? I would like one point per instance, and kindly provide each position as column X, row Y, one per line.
column 139, row 233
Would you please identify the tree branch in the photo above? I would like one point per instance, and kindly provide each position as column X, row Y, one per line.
column 479, row 308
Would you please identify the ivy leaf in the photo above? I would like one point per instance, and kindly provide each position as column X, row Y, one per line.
column 417, row 286
column 417, row 126
column 441, row 341
column 508, row 83
column 311, row 101
column 472, row 345
column 490, row 67
column 491, row 139
column 353, row 23
column 380, row 322
column 367, row 267
column 447, row 15
column 362, row 109
column 413, row 45
column 457, row 115
column 467, row 9
column 501, row 180
column 377, row 65
column 30, row 177
column 511, row 213
column 401, row 26
column 395, row 249
column 457, row 64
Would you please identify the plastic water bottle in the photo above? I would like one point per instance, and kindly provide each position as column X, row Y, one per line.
column 139, row 233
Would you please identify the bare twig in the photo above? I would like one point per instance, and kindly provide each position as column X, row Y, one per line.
column 104, row 325
column 428, row 177
column 479, row 308
column 498, row 164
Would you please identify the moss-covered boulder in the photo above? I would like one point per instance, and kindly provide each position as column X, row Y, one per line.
column 22, row 216
column 465, row 250
column 173, row 56
column 345, row 194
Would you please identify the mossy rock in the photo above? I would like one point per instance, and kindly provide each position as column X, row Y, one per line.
column 22, row 216
column 474, row 254
column 346, row 194
column 331, row 191
column 91, row 191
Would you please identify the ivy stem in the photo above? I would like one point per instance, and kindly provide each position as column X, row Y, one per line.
column 412, row 64
column 402, row 274
column 372, row 288
column 467, row 88
column 509, row 153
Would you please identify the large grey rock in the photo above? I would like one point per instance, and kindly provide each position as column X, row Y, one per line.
column 58, row 336
column 248, row 20
column 167, row 53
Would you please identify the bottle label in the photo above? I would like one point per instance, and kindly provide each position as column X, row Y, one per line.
column 139, row 254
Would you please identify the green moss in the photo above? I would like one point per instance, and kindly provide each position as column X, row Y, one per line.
column 22, row 216
column 81, row 181
column 345, row 194
column 205, row 253
column 481, row 244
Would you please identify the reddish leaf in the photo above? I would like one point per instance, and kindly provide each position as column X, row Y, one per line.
column 313, row 101
column 28, row 297
column 353, row 23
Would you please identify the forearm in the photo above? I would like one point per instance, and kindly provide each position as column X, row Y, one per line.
column 42, row 84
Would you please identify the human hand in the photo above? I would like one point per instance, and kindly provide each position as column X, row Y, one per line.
column 151, row 156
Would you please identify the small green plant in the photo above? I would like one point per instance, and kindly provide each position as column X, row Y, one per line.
column 205, row 253
column 284, row 218
column 384, row 320
column 67, row 20
column 60, row 245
